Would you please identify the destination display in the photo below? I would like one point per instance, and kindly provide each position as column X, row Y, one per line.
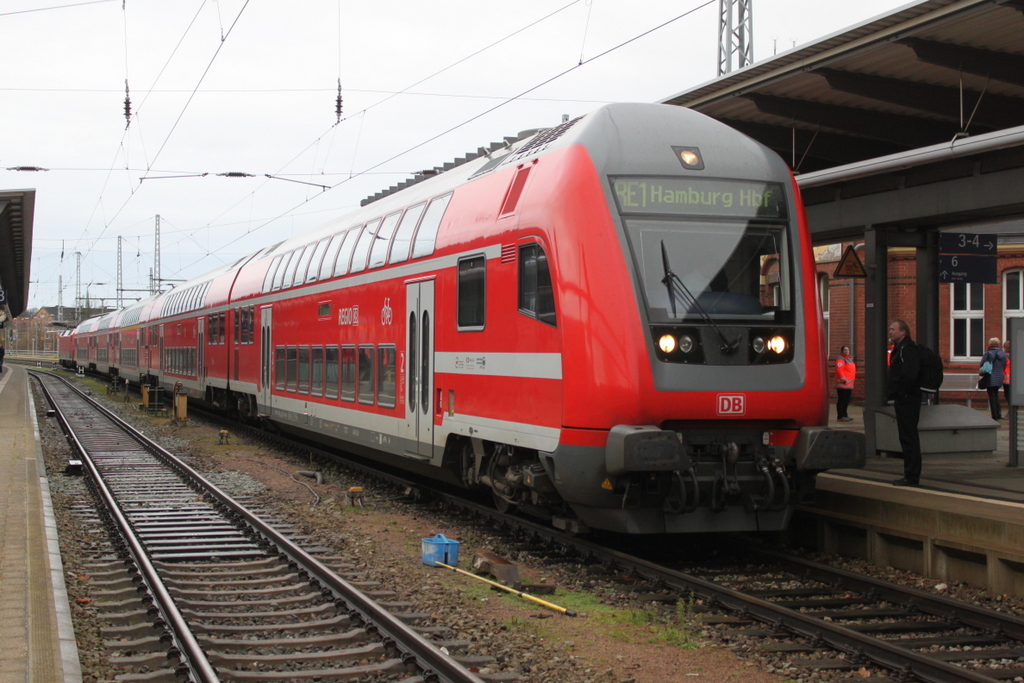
column 699, row 197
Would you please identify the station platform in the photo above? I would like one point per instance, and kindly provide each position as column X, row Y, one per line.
column 965, row 522
column 35, row 618
column 985, row 476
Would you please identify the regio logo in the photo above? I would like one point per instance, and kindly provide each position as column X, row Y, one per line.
column 732, row 404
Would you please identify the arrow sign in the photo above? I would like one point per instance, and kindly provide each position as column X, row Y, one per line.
column 967, row 243
column 967, row 268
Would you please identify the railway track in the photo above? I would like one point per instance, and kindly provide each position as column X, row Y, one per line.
column 820, row 618
column 213, row 592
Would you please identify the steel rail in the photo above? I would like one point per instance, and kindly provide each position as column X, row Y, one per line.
column 408, row 641
column 922, row 601
column 200, row 668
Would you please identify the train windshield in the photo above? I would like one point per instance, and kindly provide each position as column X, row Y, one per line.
column 715, row 248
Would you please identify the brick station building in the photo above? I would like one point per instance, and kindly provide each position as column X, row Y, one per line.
column 969, row 314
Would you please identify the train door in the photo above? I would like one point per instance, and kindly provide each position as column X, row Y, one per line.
column 201, row 353
column 419, row 369
column 160, row 361
column 266, row 357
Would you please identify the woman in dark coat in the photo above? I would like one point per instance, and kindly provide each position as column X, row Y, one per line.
column 997, row 357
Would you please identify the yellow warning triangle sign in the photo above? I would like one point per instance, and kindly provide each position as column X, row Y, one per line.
column 850, row 265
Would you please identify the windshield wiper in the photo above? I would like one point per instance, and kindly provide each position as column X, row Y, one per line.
column 676, row 285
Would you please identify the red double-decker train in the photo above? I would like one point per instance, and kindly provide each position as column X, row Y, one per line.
column 612, row 323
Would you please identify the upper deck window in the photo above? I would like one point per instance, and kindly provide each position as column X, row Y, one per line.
column 345, row 254
column 379, row 253
column 362, row 250
column 318, row 256
column 327, row 267
column 427, row 233
column 403, row 237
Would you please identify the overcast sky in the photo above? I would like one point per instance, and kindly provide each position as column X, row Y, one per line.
column 249, row 86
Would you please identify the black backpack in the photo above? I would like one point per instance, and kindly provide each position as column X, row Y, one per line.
column 931, row 369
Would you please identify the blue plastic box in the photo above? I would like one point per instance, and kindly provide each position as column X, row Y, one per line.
column 440, row 549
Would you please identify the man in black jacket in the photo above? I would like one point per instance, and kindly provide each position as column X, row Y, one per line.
column 904, row 390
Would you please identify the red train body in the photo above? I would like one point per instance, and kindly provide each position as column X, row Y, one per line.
column 612, row 323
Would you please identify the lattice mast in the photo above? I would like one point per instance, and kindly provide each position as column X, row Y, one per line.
column 735, row 35
column 156, row 258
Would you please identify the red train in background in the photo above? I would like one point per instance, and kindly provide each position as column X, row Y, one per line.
column 612, row 324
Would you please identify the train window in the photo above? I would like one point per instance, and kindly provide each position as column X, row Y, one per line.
column 386, row 366
column 222, row 328
column 291, row 369
column 282, row 270
column 323, row 310
column 251, row 321
column 318, row 256
column 212, row 323
column 327, row 266
column 362, row 250
column 427, row 234
column 248, row 313
column 237, row 315
column 425, row 364
column 403, row 237
column 345, row 255
column 366, row 367
column 536, row 298
column 379, row 253
column 303, row 369
column 331, row 372
column 348, row 373
column 279, row 373
column 471, row 293
column 301, row 266
column 317, row 374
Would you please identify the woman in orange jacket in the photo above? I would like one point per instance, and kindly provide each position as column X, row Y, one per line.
column 846, row 371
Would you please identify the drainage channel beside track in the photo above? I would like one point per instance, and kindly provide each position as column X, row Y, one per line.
column 204, row 589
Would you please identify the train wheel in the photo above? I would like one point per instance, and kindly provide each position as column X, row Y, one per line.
column 502, row 503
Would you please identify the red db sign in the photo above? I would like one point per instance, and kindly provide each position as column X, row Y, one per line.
column 732, row 404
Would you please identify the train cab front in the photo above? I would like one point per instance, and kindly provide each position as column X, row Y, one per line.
column 726, row 430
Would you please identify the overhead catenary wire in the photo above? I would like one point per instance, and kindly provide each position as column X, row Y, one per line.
column 503, row 103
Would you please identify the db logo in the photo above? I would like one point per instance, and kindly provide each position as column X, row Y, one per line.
column 732, row 404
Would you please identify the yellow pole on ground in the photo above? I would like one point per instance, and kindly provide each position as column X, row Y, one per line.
column 545, row 603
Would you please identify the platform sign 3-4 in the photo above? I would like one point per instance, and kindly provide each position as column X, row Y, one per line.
column 967, row 257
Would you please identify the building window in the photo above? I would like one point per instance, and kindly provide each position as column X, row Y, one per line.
column 471, row 293
column 968, row 313
column 1013, row 298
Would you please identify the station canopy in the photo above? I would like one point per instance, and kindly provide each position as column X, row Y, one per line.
column 946, row 76
column 17, row 209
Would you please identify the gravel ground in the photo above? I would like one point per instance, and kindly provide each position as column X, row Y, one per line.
column 627, row 632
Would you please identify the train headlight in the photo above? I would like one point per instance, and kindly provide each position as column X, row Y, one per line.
column 777, row 344
column 758, row 345
column 686, row 343
column 667, row 343
column 690, row 158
